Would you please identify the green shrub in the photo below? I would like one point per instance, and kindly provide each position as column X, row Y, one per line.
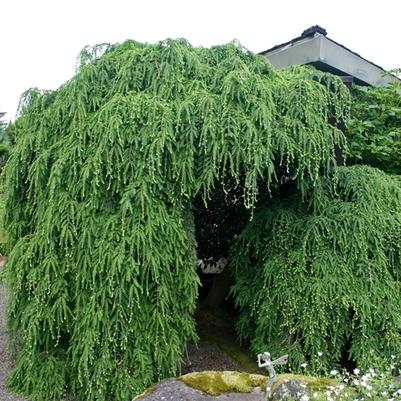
column 374, row 130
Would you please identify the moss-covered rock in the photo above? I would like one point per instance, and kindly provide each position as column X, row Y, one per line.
column 292, row 390
column 147, row 392
column 313, row 383
column 216, row 383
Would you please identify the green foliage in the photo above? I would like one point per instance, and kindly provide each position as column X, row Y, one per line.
column 3, row 125
column 324, row 276
column 396, row 72
column 4, row 141
column 99, row 189
column 375, row 128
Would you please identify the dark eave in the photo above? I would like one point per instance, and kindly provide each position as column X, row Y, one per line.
column 315, row 48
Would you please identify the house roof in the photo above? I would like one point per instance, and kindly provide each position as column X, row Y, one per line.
column 314, row 47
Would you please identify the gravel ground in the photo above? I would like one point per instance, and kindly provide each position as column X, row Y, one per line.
column 5, row 361
column 208, row 356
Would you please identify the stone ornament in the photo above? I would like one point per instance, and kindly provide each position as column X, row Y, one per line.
column 264, row 361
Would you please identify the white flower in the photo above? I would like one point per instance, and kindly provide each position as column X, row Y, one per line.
column 304, row 398
column 334, row 372
column 319, row 353
column 392, row 356
column 304, row 365
column 356, row 371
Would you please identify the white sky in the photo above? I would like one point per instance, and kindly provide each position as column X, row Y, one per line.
column 40, row 39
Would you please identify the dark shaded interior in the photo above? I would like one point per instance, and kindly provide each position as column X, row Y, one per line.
column 217, row 223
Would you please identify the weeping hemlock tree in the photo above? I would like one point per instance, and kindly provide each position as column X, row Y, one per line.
column 324, row 275
column 101, row 269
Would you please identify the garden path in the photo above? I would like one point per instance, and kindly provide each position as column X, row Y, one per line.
column 5, row 360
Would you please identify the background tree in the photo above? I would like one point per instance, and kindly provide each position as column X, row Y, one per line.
column 374, row 130
column 100, row 187
column 4, row 141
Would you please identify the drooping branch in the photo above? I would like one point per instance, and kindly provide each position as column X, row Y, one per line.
column 325, row 276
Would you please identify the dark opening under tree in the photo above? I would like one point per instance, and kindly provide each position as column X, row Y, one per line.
column 101, row 269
